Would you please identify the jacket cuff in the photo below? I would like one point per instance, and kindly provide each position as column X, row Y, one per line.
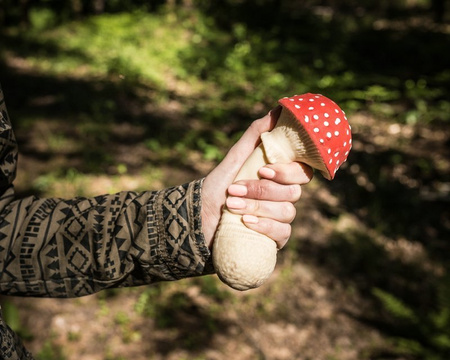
column 182, row 247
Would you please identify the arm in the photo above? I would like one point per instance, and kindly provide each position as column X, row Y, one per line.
column 61, row 248
column 55, row 247
column 80, row 246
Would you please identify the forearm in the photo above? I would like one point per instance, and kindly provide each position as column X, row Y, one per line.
column 63, row 248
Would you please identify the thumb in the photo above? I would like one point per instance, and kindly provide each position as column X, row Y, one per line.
column 236, row 156
column 215, row 185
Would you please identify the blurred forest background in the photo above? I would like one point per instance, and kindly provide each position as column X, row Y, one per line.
column 132, row 95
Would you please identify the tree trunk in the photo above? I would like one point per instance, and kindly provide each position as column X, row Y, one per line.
column 98, row 6
column 77, row 8
column 438, row 7
column 24, row 13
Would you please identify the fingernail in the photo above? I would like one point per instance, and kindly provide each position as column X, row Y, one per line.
column 237, row 190
column 250, row 219
column 235, row 203
column 267, row 173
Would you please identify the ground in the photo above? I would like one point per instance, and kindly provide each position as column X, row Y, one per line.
column 307, row 310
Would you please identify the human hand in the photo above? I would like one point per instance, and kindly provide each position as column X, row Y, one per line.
column 267, row 205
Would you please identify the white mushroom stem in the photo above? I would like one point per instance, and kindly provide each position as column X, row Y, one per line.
column 243, row 258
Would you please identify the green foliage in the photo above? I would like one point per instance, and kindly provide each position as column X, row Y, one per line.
column 146, row 304
column 131, row 46
column 12, row 317
column 394, row 306
column 42, row 19
column 213, row 289
column 423, row 334
column 50, row 351
column 238, row 65
column 177, row 310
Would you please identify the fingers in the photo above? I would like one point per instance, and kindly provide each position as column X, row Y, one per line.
column 265, row 190
column 214, row 190
column 266, row 217
column 292, row 173
column 267, row 205
column 277, row 231
column 280, row 211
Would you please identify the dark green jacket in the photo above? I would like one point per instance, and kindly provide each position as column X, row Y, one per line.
column 69, row 248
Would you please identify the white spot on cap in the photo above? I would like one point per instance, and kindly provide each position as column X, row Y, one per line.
column 337, row 121
column 328, row 134
column 337, row 162
column 321, row 141
column 316, row 130
column 326, row 123
column 329, row 151
column 310, row 108
column 326, row 115
column 336, row 111
column 306, row 118
column 336, row 133
column 322, row 104
column 336, row 154
column 331, row 160
column 316, row 117
column 311, row 100
column 297, row 106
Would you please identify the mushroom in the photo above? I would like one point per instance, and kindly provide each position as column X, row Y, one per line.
column 311, row 129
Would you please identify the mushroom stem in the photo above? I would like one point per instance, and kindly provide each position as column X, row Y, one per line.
column 243, row 258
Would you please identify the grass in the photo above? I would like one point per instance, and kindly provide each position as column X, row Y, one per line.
column 74, row 183
column 215, row 71
column 132, row 46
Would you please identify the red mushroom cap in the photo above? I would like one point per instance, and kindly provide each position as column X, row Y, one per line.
column 327, row 126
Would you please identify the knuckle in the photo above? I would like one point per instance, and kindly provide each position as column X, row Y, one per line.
column 265, row 227
column 257, row 126
column 253, row 206
column 285, row 232
column 288, row 211
column 268, row 228
column 295, row 192
column 256, row 189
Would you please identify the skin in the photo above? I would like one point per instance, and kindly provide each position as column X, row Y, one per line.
column 266, row 205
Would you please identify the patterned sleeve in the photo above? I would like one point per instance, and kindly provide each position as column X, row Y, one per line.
column 68, row 248
column 8, row 149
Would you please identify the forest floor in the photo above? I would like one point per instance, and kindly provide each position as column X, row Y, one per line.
column 307, row 310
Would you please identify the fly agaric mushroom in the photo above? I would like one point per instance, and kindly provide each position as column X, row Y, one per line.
column 311, row 129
